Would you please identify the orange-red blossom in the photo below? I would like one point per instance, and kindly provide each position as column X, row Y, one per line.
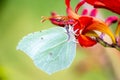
column 85, row 27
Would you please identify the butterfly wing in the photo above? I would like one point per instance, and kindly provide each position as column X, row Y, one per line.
column 50, row 49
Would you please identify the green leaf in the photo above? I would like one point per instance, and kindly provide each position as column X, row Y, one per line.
column 51, row 50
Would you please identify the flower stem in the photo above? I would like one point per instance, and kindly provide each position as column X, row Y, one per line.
column 105, row 44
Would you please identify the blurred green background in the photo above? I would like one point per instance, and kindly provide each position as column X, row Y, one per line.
column 20, row 17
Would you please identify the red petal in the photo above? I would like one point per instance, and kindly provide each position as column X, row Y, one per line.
column 70, row 12
column 67, row 2
column 82, row 23
column 79, row 5
column 113, row 5
column 85, row 21
column 85, row 41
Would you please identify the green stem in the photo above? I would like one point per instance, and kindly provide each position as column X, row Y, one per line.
column 105, row 44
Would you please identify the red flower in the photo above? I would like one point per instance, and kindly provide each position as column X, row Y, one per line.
column 86, row 26
column 83, row 25
column 113, row 5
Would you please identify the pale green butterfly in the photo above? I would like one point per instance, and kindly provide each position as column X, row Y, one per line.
column 51, row 50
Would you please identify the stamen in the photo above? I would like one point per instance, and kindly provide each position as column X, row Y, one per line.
column 44, row 18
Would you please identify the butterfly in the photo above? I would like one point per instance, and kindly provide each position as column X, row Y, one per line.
column 51, row 50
